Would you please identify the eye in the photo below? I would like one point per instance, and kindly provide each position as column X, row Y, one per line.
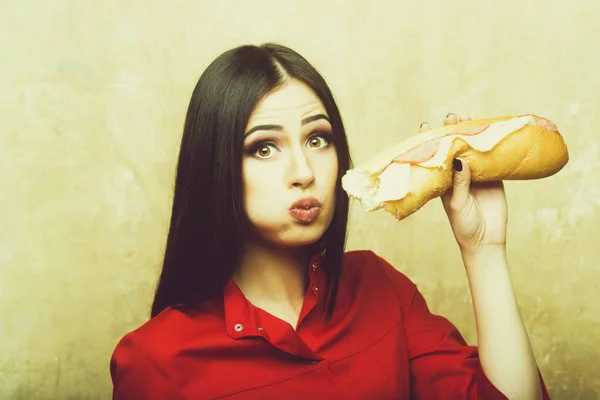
column 315, row 142
column 319, row 140
column 264, row 151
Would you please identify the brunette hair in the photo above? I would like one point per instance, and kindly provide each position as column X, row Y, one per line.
column 207, row 220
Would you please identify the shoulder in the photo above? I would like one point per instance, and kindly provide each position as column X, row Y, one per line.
column 371, row 271
column 160, row 338
column 171, row 326
column 141, row 363
column 144, row 342
column 137, row 358
column 366, row 263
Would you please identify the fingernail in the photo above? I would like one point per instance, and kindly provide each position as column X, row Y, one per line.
column 423, row 123
column 449, row 114
column 457, row 164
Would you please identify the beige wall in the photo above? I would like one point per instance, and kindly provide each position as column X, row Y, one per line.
column 92, row 98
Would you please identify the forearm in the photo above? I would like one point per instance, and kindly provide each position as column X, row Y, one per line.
column 505, row 351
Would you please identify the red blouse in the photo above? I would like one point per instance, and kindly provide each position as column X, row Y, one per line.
column 383, row 343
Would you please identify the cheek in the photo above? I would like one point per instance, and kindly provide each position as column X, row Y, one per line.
column 329, row 171
column 259, row 184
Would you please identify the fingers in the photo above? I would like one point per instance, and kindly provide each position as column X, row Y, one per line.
column 450, row 119
column 456, row 198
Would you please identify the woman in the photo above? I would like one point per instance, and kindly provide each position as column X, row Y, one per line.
column 259, row 300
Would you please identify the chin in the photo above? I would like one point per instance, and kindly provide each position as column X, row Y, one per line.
column 301, row 240
column 300, row 236
column 293, row 234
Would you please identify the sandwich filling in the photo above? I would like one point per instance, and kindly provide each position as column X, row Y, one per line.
column 394, row 181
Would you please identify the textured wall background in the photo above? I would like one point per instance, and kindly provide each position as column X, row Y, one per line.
column 92, row 99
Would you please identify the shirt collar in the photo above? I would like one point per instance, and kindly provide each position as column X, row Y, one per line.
column 240, row 315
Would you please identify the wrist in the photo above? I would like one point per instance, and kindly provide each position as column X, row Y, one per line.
column 484, row 257
column 483, row 252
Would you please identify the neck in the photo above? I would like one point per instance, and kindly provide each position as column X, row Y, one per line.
column 273, row 274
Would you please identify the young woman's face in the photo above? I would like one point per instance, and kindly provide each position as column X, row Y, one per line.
column 289, row 156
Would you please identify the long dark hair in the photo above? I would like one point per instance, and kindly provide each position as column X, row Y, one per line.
column 208, row 221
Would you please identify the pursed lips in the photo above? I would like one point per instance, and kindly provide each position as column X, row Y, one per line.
column 305, row 210
column 306, row 203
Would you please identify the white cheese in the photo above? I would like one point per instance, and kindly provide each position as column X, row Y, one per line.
column 483, row 141
column 394, row 182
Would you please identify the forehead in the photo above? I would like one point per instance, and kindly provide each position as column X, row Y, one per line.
column 293, row 99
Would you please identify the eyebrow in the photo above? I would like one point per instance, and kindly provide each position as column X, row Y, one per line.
column 305, row 121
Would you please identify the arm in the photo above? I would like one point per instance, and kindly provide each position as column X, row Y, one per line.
column 442, row 365
column 504, row 349
column 478, row 216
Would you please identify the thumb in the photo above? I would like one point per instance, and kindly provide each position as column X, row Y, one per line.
column 459, row 194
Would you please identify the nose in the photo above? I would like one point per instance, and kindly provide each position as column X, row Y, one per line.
column 301, row 173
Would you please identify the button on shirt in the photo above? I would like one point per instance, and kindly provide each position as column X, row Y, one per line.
column 382, row 343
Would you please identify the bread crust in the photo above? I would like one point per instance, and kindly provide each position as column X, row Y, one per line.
column 534, row 151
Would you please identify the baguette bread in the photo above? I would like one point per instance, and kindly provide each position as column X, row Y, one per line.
column 404, row 177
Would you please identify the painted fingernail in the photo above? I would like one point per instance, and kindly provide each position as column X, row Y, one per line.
column 457, row 164
column 449, row 114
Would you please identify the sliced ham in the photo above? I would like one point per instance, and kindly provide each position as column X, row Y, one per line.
column 420, row 153
column 427, row 150
column 472, row 131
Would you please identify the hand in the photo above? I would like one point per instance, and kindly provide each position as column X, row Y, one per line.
column 477, row 211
